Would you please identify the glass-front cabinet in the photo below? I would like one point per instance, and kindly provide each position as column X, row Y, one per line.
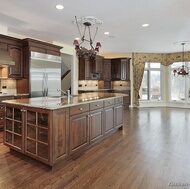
column 27, row 131
column 37, row 134
column 14, row 128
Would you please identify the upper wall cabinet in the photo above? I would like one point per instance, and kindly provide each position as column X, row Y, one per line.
column 15, row 48
column 107, row 70
column 120, row 69
column 37, row 46
column 85, row 68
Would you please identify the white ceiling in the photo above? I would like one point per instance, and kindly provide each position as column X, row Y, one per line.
column 169, row 22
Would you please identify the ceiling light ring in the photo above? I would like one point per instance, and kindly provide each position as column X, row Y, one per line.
column 89, row 21
column 86, row 23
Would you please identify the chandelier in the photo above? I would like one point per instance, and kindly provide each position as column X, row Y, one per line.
column 182, row 70
column 87, row 23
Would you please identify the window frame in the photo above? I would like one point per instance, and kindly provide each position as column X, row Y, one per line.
column 148, row 69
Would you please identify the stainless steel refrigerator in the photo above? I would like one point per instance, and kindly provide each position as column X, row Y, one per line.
column 45, row 75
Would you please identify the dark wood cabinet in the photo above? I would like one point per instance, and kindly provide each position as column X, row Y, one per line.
column 118, row 112
column 2, row 114
column 98, row 66
column 79, row 127
column 50, row 135
column 107, row 70
column 85, row 68
column 14, row 129
column 15, row 48
column 96, row 121
column 16, row 52
column 120, row 69
column 108, row 115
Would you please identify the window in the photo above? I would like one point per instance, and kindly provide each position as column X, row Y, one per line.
column 152, row 83
column 179, row 86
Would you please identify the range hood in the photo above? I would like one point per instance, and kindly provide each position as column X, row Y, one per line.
column 5, row 58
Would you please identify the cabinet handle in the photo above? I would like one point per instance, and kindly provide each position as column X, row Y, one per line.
column 1, row 118
column 109, row 102
column 2, row 107
column 23, row 110
column 80, row 108
column 97, row 105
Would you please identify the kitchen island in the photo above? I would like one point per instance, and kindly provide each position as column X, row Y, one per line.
column 52, row 129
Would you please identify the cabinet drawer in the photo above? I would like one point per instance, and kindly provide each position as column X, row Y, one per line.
column 118, row 100
column 79, row 109
column 109, row 102
column 96, row 105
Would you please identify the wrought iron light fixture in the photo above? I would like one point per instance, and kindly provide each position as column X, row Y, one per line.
column 87, row 23
column 182, row 70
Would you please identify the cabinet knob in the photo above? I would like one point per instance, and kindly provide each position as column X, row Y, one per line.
column 1, row 118
column 97, row 105
column 109, row 102
column 80, row 108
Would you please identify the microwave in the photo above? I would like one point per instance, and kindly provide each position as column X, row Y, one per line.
column 95, row 76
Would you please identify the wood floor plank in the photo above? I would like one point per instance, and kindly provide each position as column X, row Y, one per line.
column 152, row 151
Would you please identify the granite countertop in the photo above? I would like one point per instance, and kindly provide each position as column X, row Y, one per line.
column 6, row 95
column 96, row 90
column 53, row 103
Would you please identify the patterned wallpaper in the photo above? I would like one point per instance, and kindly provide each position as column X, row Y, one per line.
column 164, row 58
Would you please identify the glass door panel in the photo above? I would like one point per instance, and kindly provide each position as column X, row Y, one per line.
column 42, row 150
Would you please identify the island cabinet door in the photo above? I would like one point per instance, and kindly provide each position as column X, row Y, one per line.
column 118, row 113
column 60, row 134
column 14, row 127
column 78, row 132
column 37, row 134
column 96, row 125
column 108, row 119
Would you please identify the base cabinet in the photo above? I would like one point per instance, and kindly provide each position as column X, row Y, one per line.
column 53, row 135
column 60, row 133
column 79, row 126
column 96, row 125
column 108, row 120
column 14, row 128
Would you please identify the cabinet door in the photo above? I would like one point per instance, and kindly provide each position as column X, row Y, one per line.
column 96, row 125
column 88, row 68
column 108, row 120
column 37, row 134
column 118, row 113
column 107, row 70
column 14, row 128
column 123, row 70
column 60, row 134
column 85, row 68
column 79, row 131
column 2, row 114
column 98, row 64
column 16, row 53
column 116, row 69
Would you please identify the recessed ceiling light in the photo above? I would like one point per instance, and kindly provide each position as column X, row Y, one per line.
column 145, row 25
column 77, row 38
column 60, row 7
column 106, row 33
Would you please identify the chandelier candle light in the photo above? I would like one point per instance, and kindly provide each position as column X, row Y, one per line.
column 182, row 70
column 87, row 23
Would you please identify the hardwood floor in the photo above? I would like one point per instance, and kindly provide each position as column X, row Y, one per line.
column 152, row 151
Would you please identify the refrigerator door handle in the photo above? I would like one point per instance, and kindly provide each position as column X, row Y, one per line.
column 43, row 85
column 47, row 84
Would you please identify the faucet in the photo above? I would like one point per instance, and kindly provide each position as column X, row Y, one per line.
column 65, row 93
